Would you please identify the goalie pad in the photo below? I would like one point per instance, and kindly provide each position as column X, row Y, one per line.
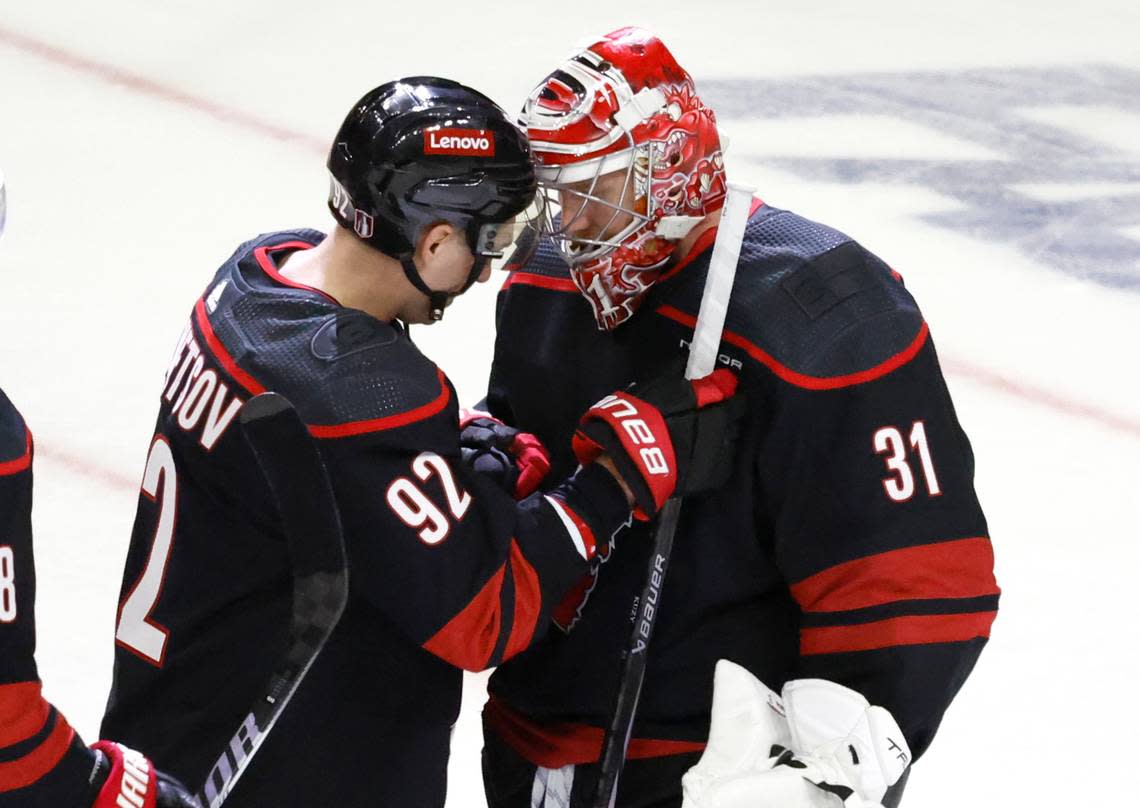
column 827, row 720
column 820, row 745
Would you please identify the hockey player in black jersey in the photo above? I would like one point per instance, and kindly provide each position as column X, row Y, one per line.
column 848, row 546
column 43, row 761
column 446, row 570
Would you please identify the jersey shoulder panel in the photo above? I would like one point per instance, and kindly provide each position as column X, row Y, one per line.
column 14, row 447
column 542, row 258
column 539, row 267
column 339, row 366
column 815, row 306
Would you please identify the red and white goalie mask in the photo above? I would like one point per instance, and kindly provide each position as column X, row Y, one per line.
column 629, row 160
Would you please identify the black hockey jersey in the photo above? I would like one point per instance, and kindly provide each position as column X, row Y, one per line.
column 446, row 571
column 848, row 544
column 42, row 759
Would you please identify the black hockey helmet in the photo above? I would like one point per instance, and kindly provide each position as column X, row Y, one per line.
column 422, row 150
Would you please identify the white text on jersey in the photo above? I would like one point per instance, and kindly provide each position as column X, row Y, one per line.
column 196, row 395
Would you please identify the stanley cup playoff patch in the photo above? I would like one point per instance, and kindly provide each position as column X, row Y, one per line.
column 463, row 142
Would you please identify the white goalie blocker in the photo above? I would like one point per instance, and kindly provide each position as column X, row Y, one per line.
column 819, row 745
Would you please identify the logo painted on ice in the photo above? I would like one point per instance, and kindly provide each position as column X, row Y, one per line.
column 1050, row 187
column 464, row 142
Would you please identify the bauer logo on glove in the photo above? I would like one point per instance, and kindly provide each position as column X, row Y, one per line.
column 667, row 436
column 623, row 410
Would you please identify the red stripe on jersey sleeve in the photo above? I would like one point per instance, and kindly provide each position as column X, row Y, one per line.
column 541, row 281
column 528, row 602
column 469, row 638
column 10, row 467
column 962, row 568
column 23, row 712
column 239, row 375
column 389, row 421
column 563, row 744
column 896, row 631
column 801, row 379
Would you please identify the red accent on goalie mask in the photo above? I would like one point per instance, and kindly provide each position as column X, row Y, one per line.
column 616, row 282
column 624, row 105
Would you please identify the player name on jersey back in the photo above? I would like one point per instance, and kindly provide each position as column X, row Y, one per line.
column 199, row 400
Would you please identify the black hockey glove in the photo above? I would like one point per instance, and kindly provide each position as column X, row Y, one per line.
column 122, row 776
column 667, row 436
column 516, row 460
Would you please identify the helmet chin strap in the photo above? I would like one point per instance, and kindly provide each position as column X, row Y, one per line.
column 438, row 300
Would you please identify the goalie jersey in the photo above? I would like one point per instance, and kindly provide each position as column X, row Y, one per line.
column 446, row 571
column 848, row 544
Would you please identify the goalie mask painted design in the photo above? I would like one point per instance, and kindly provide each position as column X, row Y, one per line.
column 630, row 158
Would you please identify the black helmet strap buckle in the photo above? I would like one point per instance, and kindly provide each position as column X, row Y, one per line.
column 438, row 300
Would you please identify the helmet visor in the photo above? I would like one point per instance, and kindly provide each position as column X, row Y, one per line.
column 496, row 239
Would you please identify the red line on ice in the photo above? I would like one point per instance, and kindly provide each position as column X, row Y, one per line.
column 109, row 74
column 1041, row 397
column 86, row 468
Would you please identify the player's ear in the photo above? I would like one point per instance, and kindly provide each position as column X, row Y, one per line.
column 432, row 240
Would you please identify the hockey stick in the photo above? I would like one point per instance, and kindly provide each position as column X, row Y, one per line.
column 301, row 491
column 702, row 361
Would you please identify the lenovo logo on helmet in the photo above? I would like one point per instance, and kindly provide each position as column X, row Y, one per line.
column 463, row 142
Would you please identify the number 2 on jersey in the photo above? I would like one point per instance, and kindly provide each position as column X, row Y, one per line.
column 7, row 584
column 900, row 486
column 136, row 631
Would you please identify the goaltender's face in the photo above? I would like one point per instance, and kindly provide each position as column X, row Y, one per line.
column 598, row 210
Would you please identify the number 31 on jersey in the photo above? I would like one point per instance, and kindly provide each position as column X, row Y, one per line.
column 899, row 485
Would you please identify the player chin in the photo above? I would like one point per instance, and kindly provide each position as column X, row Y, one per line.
column 449, row 266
